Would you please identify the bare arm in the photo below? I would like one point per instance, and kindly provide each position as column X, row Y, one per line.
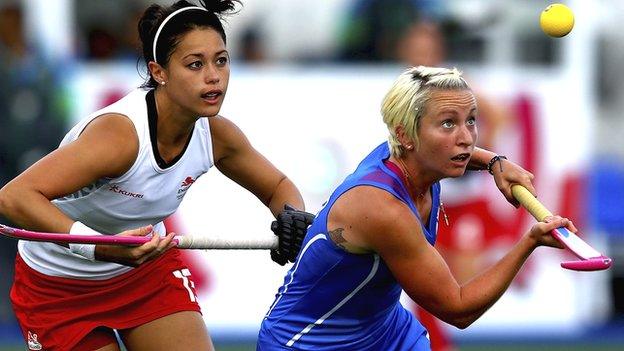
column 506, row 173
column 480, row 159
column 106, row 148
column 236, row 158
column 396, row 235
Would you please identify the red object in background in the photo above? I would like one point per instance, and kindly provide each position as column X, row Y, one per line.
column 110, row 97
column 574, row 199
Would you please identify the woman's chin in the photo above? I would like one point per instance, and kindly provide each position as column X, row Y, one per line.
column 456, row 173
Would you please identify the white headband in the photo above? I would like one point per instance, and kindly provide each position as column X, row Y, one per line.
column 162, row 25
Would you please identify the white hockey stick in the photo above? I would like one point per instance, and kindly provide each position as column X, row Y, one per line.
column 258, row 242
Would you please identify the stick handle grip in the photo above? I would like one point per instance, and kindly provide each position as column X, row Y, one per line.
column 528, row 201
column 257, row 242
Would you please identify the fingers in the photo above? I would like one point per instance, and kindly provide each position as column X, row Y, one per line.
column 521, row 176
column 561, row 222
column 135, row 256
column 505, row 188
column 527, row 182
column 571, row 227
column 554, row 222
column 166, row 243
column 541, row 232
column 149, row 246
column 157, row 246
column 514, row 202
column 142, row 231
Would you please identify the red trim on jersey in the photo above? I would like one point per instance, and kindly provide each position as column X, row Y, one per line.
column 394, row 168
column 62, row 311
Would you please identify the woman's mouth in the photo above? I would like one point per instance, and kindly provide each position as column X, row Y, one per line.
column 461, row 158
column 212, row 97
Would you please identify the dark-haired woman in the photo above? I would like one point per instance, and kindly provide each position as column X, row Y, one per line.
column 124, row 169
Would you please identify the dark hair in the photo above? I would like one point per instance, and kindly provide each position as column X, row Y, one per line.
column 176, row 27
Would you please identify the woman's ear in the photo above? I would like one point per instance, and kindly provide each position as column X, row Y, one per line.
column 158, row 72
column 406, row 142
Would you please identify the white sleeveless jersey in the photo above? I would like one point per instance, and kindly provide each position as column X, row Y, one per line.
column 145, row 194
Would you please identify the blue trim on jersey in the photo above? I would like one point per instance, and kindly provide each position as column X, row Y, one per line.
column 335, row 300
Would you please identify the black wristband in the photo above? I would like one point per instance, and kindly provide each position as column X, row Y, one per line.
column 493, row 161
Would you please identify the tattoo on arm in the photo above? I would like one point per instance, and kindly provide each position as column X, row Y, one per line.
column 337, row 238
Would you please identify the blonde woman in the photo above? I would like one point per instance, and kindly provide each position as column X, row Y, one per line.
column 375, row 236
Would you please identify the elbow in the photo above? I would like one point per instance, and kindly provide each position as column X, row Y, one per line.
column 461, row 323
column 3, row 201
column 454, row 310
column 8, row 200
column 459, row 320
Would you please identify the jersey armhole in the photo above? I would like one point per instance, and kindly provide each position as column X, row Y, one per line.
column 205, row 122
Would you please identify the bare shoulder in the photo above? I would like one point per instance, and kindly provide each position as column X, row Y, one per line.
column 113, row 125
column 365, row 215
column 369, row 203
column 223, row 129
column 113, row 138
column 226, row 136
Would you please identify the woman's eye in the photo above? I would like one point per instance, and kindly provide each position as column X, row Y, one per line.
column 222, row 60
column 196, row 64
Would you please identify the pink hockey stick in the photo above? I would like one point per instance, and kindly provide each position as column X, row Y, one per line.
column 259, row 242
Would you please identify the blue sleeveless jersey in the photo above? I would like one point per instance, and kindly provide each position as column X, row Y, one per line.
column 335, row 300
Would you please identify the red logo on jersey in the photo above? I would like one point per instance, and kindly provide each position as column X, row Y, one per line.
column 188, row 181
column 186, row 184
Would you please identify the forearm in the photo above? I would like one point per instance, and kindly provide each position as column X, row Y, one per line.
column 30, row 209
column 479, row 294
column 480, row 159
column 285, row 193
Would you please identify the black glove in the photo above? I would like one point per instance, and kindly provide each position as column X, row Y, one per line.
column 291, row 226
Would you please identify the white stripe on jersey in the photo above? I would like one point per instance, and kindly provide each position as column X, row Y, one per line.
column 347, row 298
column 292, row 274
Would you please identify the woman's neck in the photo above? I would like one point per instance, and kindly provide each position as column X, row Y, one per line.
column 417, row 181
column 174, row 124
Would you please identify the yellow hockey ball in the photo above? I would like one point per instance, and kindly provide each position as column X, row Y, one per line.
column 557, row 20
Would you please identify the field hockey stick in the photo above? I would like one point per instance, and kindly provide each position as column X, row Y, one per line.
column 590, row 259
column 259, row 242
